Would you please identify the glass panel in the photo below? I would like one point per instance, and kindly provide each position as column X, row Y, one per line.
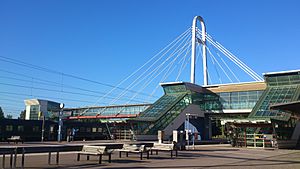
column 174, row 89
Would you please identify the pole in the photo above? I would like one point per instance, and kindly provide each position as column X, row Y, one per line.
column 188, row 130
column 43, row 128
column 60, row 123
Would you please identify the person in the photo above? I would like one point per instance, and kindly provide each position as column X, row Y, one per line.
column 69, row 135
column 73, row 134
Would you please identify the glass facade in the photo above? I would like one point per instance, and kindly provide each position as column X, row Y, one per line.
column 239, row 100
column 280, row 89
column 227, row 100
column 171, row 89
column 108, row 111
column 161, row 106
column 166, row 118
column 52, row 110
column 34, row 112
column 177, row 97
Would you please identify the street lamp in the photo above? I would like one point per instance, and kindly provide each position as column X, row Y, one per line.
column 60, row 123
column 43, row 124
column 188, row 129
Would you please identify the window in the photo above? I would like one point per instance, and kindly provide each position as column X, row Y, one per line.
column 21, row 128
column 100, row 129
column 88, row 129
column 9, row 128
column 94, row 129
column 35, row 128
column 51, row 129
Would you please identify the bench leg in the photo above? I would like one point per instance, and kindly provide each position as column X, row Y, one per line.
column 57, row 157
column 49, row 158
column 78, row 157
column 151, row 152
column 109, row 158
column 23, row 158
column 11, row 157
column 156, row 152
column 171, row 153
column 100, row 158
column 3, row 161
column 147, row 154
column 141, row 156
column 87, row 157
column 15, row 159
column 120, row 154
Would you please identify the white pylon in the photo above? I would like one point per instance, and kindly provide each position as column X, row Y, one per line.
column 193, row 57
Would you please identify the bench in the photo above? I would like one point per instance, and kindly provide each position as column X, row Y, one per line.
column 164, row 147
column 96, row 151
column 134, row 148
column 15, row 139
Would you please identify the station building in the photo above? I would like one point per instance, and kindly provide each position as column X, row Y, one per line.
column 228, row 110
column 36, row 108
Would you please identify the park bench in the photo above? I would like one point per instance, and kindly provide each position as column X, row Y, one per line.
column 134, row 148
column 95, row 151
column 164, row 147
column 15, row 139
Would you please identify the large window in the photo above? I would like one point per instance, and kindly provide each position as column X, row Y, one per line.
column 239, row 100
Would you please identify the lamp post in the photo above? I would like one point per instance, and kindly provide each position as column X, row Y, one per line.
column 188, row 129
column 42, row 117
column 43, row 128
column 60, row 123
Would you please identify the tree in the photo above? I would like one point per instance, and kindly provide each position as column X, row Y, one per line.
column 1, row 114
column 22, row 114
column 9, row 116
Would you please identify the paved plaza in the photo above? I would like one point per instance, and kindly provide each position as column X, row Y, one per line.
column 203, row 156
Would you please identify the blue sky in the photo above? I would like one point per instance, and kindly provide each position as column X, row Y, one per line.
column 109, row 39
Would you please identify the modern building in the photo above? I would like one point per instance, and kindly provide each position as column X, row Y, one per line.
column 35, row 108
column 269, row 117
column 240, row 112
column 115, row 117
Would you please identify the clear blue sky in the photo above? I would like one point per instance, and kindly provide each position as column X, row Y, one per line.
column 107, row 40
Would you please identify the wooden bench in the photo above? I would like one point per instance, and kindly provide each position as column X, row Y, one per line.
column 15, row 139
column 96, row 151
column 134, row 148
column 164, row 147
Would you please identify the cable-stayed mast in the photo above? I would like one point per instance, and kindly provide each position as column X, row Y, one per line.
column 193, row 56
